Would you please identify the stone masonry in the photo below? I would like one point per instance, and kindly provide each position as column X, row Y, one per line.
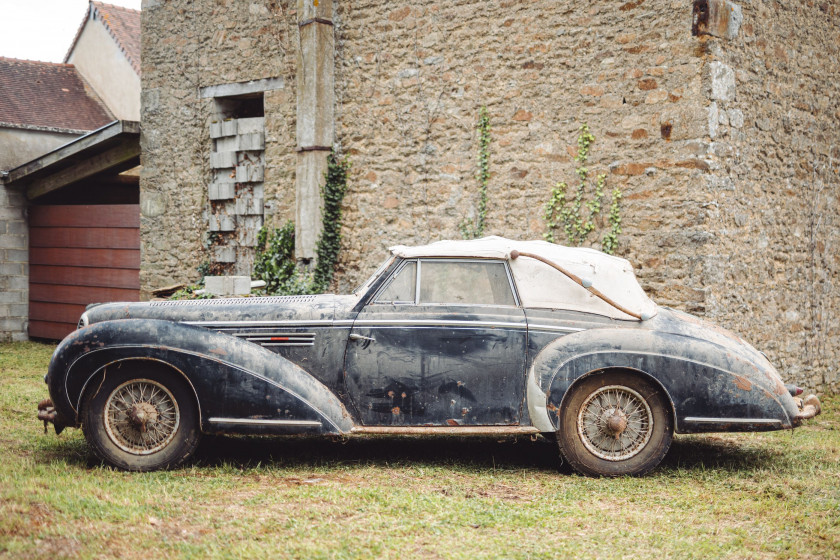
column 722, row 134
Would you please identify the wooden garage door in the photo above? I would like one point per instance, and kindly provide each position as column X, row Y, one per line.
column 80, row 255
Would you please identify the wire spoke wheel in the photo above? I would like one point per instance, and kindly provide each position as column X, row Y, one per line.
column 141, row 416
column 615, row 423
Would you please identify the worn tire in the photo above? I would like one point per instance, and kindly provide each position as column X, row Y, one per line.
column 615, row 424
column 141, row 417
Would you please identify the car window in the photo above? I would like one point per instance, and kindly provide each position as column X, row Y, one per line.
column 464, row 282
column 402, row 287
column 369, row 282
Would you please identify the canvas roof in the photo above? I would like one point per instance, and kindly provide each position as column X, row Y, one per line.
column 612, row 276
column 45, row 95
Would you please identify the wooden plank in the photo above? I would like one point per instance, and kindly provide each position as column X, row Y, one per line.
column 92, row 238
column 55, row 312
column 84, row 295
column 87, row 215
column 112, row 158
column 99, row 258
column 85, row 276
column 50, row 330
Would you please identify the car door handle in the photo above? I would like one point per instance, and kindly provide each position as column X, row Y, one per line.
column 354, row 336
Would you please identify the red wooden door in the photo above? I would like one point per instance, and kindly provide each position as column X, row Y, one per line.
column 79, row 255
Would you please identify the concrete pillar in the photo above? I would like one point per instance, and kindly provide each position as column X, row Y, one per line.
column 315, row 120
column 14, row 266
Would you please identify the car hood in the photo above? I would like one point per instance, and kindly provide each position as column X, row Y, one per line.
column 306, row 308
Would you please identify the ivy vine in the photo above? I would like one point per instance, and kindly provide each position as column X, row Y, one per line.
column 576, row 217
column 275, row 260
column 470, row 230
column 329, row 244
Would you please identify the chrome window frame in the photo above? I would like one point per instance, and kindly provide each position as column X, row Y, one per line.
column 419, row 260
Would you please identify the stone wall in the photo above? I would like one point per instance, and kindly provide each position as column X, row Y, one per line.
column 14, row 266
column 723, row 214
column 188, row 46
column 773, row 190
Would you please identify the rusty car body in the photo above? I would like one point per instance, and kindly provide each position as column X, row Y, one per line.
column 490, row 336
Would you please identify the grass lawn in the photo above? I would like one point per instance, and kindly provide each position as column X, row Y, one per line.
column 771, row 495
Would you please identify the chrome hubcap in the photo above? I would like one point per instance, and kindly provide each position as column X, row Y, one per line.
column 141, row 416
column 615, row 423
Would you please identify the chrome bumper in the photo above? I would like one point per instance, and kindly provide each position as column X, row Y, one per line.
column 808, row 408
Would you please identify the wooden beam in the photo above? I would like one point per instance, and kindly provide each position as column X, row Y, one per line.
column 78, row 145
column 109, row 159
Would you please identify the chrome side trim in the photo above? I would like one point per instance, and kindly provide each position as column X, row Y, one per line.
column 371, row 323
column 698, row 420
column 240, row 324
column 270, row 338
column 550, row 328
column 265, row 422
column 434, row 323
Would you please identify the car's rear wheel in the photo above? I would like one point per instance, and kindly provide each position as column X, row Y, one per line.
column 141, row 417
column 615, row 424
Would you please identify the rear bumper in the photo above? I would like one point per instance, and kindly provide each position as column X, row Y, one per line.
column 808, row 408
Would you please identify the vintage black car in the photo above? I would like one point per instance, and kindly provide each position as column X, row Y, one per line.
column 491, row 336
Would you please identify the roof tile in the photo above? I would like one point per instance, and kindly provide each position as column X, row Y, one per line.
column 45, row 94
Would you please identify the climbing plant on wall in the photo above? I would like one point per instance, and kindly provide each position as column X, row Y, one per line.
column 470, row 229
column 275, row 261
column 329, row 244
column 569, row 212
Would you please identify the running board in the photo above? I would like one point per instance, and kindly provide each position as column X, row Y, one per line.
column 446, row 430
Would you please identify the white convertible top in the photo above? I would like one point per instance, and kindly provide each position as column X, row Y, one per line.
column 542, row 286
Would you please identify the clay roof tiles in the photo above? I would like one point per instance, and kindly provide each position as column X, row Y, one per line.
column 48, row 95
column 124, row 26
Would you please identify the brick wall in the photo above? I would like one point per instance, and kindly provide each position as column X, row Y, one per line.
column 722, row 215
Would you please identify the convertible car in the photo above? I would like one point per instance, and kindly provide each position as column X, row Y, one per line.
column 491, row 336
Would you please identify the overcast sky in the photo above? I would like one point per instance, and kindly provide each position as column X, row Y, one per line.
column 43, row 29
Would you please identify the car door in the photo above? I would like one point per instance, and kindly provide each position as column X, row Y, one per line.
column 443, row 342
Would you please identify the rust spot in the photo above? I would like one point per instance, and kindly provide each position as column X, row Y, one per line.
column 451, row 422
column 780, row 388
column 403, row 395
column 218, row 351
column 395, row 411
column 743, row 383
column 391, row 394
column 464, row 411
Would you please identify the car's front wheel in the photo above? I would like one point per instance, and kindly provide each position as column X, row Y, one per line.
column 615, row 424
column 141, row 417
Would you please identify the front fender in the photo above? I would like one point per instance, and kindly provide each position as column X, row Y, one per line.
column 710, row 387
column 239, row 386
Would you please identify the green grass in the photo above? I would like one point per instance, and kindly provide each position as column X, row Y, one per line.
column 773, row 495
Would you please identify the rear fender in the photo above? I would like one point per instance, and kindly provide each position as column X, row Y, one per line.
column 702, row 380
column 239, row 386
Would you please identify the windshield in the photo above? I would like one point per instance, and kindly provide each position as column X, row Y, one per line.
column 367, row 284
